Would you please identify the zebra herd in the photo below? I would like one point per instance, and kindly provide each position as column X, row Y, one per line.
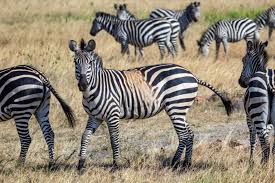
column 110, row 95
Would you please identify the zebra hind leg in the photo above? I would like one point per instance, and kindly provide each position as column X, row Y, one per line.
column 181, row 39
column 263, row 136
column 22, row 126
column 252, row 133
column 43, row 120
column 161, row 46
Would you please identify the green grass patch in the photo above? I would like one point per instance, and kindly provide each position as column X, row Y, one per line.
column 216, row 15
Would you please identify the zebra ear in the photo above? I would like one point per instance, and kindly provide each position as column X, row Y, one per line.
column 249, row 45
column 263, row 46
column 115, row 6
column 124, row 6
column 73, row 45
column 91, row 45
column 199, row 43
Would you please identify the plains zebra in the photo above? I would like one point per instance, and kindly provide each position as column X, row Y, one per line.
column 225, row 31
column 110, row 95
column 267, row 18
column 185, row 17
column 124, row 14
column 25, row 91
column 139, row 33
column 259, row 96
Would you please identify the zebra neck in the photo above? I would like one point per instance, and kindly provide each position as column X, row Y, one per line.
column 208, row 36
column 262, row 20
column 110, row 26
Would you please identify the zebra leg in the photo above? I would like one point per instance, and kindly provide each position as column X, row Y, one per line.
column 161, row 46
column 125, row 49
column 22, row 126
column 218, row 44
column 272, row 114
column 263, row 136
column 189, row 147
column 90, row 129
column 181, row 39
column 252, row 133
column 43, row 120
column 270, row 30
column 225, row 47
column 113, row 126
column 174, row 43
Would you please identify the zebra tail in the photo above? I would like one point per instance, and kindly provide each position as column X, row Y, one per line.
column 66, row 108
column 225, row 100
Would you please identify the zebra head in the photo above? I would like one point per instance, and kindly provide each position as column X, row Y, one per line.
column 97, row 24
column 193, row 10
column 122, row 13
column 255, row 60
column 203, row 47
column 271, row 17
column 86, row 63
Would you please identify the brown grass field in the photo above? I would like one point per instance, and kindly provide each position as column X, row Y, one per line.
column 37, row 32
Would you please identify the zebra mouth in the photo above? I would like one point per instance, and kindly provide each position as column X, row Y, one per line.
column 82, row 87
column 242, row 83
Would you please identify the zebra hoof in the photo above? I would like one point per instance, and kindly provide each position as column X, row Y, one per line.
column 175, row 165
column 114, row 168
column 81, row 168
column 20, row 162
column 51, row 166
column 186, row 164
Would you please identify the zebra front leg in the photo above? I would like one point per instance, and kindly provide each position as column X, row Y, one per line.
column 125, row 49
column 161, row 46
column 113, row 126
column 218, row 45
column 252, row 133
column 270, row 30
column 181, row 39
column 22, row 126
column 225, row 47
column 90, row 129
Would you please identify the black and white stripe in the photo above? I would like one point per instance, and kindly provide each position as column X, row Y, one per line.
column 185, row 17
column 26, row 91
column 140, row 33
column 225, row 31
column 259, row 101
column 110, row 95
column 124, row 14
column 266, row 18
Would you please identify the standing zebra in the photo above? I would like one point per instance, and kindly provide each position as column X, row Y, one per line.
column 267, row 18
column 225, row 31
column 110, row 95
column 185, row 17
column 124, row 14
column 259, row 97
column 25, row 91
column 139, row 33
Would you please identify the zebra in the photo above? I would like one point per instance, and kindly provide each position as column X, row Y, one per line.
column 26, row 91
column 259, row 97
column 110, row 95
column 124, row 14
column 267, row 18
column 185, row 17
column 225, row 31
column 139, row 33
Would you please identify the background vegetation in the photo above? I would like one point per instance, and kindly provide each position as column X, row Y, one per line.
column 37, row 32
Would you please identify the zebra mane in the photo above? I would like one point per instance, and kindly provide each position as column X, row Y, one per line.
column 82, row 44
column 103, row 14
column 97, row 59
column 258, row 47
column 262, row 19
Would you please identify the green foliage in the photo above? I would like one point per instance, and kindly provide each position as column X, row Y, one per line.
column 215, row 15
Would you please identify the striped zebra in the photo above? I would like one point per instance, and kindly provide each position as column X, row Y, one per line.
column 110, row 95
column 26, row 91
column 139, row 33
column 124, row 14
column 259, row 101
column 267, row 18
column 185, row 17
column 225, row 31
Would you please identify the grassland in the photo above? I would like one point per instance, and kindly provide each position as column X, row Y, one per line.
column 37, row 32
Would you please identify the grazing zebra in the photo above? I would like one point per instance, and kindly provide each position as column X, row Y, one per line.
column 110, row 95
column 25, row 91
column 225, row 31
column 259, row 100
column 124, row 14
column 185, row 17
column 139, row 33
column 267, row 18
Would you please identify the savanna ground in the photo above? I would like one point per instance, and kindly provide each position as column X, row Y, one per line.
column 37, row 32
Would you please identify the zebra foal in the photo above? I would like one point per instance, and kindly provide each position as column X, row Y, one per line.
column 259, row 100
column 225, row 31
column 26, row 91
column 110, row 95
column 139, row 33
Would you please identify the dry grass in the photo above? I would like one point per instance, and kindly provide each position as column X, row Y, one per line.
column 37, row 32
